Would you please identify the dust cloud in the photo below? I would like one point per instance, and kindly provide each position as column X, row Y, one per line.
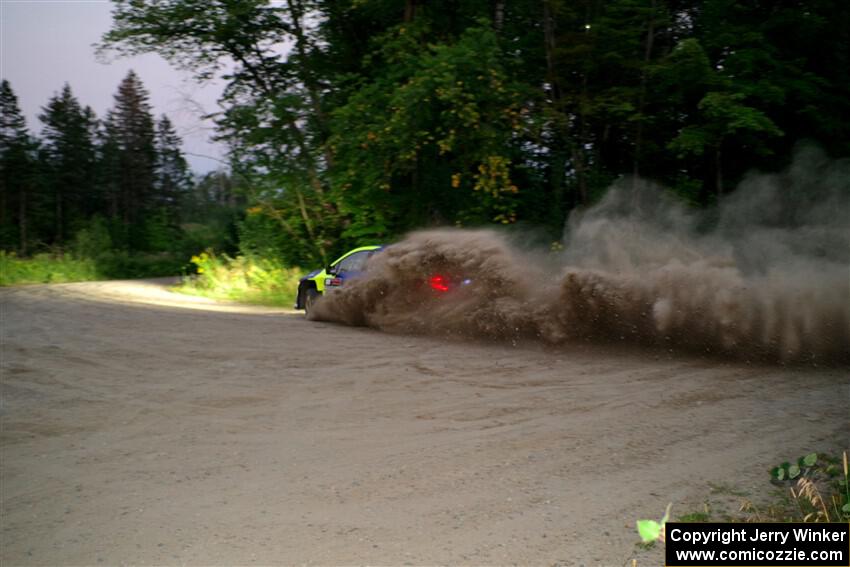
column 764, row 276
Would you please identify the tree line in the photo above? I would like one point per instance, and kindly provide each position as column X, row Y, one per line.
column 94, row 186
column 353, row 121
column 357, row 120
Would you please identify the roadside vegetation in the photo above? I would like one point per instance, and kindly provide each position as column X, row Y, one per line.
column 44, row 268
column 246, row 279
column 68, row 267
column 814, row 488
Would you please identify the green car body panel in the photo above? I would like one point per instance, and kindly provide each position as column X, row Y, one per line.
column 319, row 278
column 316, row 280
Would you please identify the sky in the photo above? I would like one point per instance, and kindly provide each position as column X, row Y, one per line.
column 46, row 43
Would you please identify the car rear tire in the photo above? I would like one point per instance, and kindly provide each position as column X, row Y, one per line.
column 310, row 298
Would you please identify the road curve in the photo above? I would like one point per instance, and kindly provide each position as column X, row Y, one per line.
column 141, row 426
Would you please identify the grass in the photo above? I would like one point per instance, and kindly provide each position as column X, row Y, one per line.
column 258, row 281
column 46, row 268
column 819, row 493
column 64, row 268
column 695, row 517
column 816, row 488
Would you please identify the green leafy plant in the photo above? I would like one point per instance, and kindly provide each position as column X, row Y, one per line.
column 650, row 530
column 819, row 493
column 790, row 471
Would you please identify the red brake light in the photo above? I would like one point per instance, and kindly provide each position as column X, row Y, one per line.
column 438, row 283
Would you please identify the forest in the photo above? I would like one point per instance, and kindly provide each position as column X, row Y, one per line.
column 117, row 191
column 354, row 121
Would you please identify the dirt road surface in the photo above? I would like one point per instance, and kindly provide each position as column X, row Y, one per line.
column 143, row 427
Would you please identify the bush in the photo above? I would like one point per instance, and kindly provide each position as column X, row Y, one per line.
column 93, row 240
column 94, row 243
column 91, row 258
column 250, row 279
column 120, row 264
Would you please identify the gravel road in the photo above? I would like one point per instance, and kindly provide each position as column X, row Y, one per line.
column 143, row 427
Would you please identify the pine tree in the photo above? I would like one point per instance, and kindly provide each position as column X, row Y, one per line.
column 16, row 172
column 109, row 169
column 172, row 172
column 70, row 154
column 130, row 137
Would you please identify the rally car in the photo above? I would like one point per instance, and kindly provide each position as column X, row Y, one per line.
column 316, row 283
column 352, row 264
